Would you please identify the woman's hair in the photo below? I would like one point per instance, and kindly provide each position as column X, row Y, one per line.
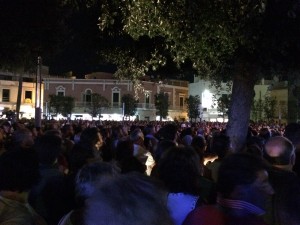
column 179, row 168
column 88, row 176
column 130, row 199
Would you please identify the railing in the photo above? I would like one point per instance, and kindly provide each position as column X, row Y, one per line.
column 115, row 105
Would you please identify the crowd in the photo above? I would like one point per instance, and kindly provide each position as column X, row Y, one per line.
column 150, row 173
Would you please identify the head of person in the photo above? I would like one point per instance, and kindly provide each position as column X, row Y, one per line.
column 180, row 170
column 149, row 129
column 199, row 144
column 162, row 146
column 255, row 145
column 48, row 148
column 124, row 150
column 280, row 152
column 292, row 132
column 91, row 138
column 22, row 139
column 67, row 130
column 220, row 144
column 265, row 134
column 168, row 132
column 244, row 177
column 130, row 199
column 88, row 176
column 19, row 171
column 137, row 136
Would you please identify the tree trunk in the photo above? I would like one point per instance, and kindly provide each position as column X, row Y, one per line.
column 240, row 106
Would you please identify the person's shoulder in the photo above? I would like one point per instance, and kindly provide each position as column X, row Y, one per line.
column 205, row 215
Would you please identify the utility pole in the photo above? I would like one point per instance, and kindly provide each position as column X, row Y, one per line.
column 18, row 106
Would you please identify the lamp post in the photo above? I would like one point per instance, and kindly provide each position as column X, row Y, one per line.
column 38, row 94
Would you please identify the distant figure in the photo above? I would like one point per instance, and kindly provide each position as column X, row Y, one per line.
column 130, row 199
column 243, row 192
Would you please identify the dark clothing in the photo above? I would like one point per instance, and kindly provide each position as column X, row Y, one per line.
column 284, row 206
column 214, row 215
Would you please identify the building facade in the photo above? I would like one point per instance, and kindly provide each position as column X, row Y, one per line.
column 9, row 89
column 208, row 94
column 113, row 90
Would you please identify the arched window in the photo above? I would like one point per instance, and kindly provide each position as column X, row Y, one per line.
column 115, row 97
column 61, row 91
column 87, row 96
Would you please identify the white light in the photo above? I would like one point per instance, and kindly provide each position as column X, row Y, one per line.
column 207, row 100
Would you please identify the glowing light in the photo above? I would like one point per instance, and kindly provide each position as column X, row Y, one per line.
column 207, row 99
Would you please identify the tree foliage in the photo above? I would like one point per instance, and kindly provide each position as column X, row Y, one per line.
column 162, row 104
column 224, row 40
column 61, row 104
column 193, row 107
column 223, row 104
column 130, row 104
column 270, row 105
column 98, row 103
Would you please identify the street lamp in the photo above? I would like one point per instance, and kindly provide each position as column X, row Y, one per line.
column 38, row 93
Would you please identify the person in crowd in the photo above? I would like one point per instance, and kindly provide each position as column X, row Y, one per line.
column 292, row 132
column 118, row 133
column 139, row 151
column 169, row 132
column 67, row 133
column 180, row 171
column 186, row 136
column 243, row 188
column 285, row 204
column 21, row 139
column 255, row 145
column 150, row 141
column 18, row 174
column 106, row 149
column 265, row 134
column 54, row 202
column 162, row 147
column 129, row 199
column 85, row 183
column 220, row 145
column 88, row 149
column 126, row 159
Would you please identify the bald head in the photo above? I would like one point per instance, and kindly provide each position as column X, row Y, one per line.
column 280, row 151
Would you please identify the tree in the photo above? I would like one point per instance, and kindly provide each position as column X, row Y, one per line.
column 68, row 106
column 193, row 104
column 270, row 107
column 257, row 110
column 98, row 103
column 56, row 103
column 130, row 105
column 223, row 104
column 162, row 104
column 62, row 104
column 224, row 40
